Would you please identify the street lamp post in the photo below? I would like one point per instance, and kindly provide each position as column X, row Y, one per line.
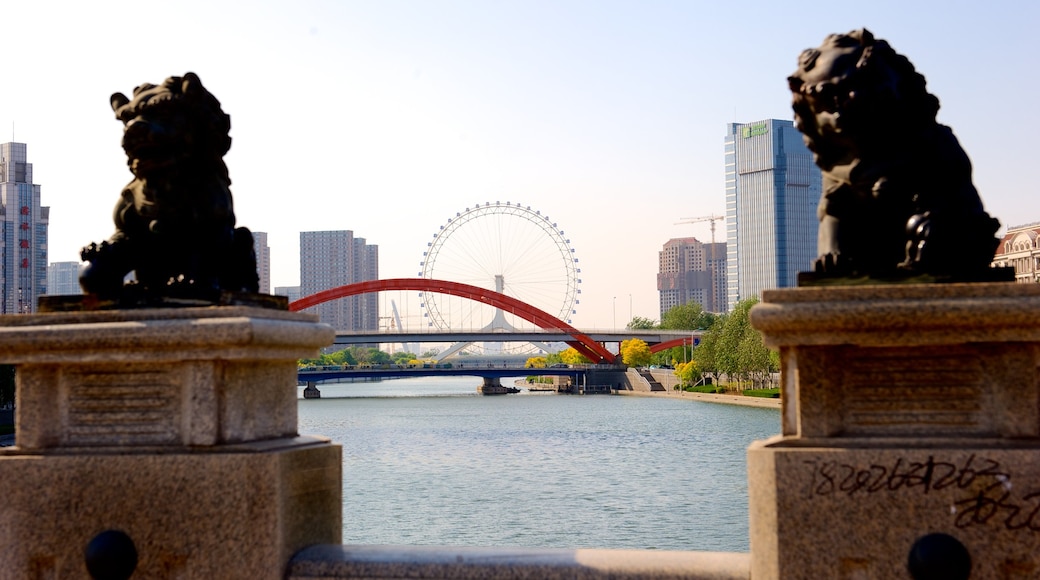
column 614, row 308
column 630, row 319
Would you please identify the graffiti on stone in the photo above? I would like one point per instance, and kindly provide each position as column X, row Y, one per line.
column 982, row 488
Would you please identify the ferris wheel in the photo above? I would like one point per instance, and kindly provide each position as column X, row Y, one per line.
column 508, row 248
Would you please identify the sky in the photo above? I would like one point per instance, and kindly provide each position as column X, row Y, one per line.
column 388, row 117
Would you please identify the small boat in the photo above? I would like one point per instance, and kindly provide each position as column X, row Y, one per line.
column 496, row 390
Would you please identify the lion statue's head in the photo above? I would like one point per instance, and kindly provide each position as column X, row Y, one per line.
column 176, row 121
column 851, row 91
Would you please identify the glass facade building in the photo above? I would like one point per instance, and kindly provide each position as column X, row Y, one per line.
column 23, row 233
column 772, row 191
column 337, row 258
column 63, row 278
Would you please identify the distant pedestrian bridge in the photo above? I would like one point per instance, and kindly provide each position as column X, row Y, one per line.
column 328, row 373
column 656, row 339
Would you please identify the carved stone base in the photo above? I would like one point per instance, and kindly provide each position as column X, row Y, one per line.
column 176, row 427
column 238, row 512
column 848, row 513
column 907, row 411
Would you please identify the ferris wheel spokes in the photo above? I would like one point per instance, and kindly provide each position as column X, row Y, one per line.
column 508, row 248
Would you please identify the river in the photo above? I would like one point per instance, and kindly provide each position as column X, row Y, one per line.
column 428, row 461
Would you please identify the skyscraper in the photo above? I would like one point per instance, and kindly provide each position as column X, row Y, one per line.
column 63, row 278
column 686, row 271
column 290, row 292
column 337, row 258
column 23, row 233
column 263, row 261
column 772, row 190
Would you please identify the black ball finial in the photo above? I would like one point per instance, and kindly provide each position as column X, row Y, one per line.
column 111, row 555
column 939, row 557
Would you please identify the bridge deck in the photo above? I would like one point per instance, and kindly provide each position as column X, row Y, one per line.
column 651, row 337
column 329, row 373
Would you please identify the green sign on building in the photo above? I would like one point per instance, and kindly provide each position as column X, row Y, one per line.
column 754, row 130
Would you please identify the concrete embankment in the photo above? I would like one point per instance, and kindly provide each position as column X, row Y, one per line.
column 634, row 384
column 666, row 378
column 709, row 398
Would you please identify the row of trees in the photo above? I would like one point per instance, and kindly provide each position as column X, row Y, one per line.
column 729, row 346
column 355, row 355
column 634, row 353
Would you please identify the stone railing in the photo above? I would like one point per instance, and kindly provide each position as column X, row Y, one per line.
column 342, row 562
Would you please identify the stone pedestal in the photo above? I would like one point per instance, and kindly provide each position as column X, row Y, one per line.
column 907, row 411
column 175, row 426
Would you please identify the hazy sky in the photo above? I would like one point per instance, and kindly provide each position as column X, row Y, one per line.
column 388, row 117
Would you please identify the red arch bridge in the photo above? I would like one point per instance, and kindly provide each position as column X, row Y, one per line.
column 589, row 344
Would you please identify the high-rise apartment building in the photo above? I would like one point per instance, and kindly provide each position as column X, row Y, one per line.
column 690, row 271
column 772, row 191
column 263, row 261
column 23, row 233
column 63, row 278
column 290, row 292
column 337, row 258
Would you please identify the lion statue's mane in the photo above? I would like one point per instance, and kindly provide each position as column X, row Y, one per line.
column 897, row 190
column 175, row 221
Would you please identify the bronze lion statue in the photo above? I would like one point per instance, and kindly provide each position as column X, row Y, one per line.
column 898, row 198
column 175, row 221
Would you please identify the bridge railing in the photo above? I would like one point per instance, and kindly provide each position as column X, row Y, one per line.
column 462, row 365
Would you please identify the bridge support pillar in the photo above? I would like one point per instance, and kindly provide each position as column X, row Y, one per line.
column 493, row 386
column 175, row 428
column 910, row 433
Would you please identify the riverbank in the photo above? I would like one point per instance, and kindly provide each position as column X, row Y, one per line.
column 709, row 398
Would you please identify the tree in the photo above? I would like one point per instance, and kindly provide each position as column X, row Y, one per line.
column 687, row 373
column 378, row 357
column 727, row 353
column 754, row 358
column 689, row 316
column 640, row 323
column 535, row 362
column 348, row 358
column 402, row 357
column 572, row 357
column 706, row 353
column 635, row 352
column 739, row 351
column 343, row 357
column 668, row 357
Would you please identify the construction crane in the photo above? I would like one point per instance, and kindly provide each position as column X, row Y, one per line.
column 711, row 218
